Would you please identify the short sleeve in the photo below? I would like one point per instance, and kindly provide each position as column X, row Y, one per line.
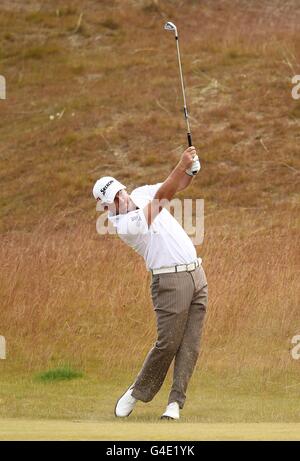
column 133, row 223
column 153, row 189
column 144, row 194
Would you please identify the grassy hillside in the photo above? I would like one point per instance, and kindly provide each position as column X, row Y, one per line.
column 109, row 70
column 92, row 89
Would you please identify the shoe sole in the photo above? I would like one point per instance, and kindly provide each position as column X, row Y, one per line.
column 169, row 418
column 115, row 412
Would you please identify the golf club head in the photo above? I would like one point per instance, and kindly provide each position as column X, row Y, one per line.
column 171, row 26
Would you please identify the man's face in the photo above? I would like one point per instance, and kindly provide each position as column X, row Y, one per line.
column 122, row 203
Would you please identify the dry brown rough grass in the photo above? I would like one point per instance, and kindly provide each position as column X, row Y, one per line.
column 112, row 77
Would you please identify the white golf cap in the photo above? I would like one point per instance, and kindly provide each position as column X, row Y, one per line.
column 106, row 189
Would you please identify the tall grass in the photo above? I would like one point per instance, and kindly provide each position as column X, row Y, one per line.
column 70, row 296
column 83, row 298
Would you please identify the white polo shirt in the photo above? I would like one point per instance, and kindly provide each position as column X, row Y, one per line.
column 164, row 243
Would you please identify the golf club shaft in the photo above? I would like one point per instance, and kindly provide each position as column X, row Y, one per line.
column 186, row 115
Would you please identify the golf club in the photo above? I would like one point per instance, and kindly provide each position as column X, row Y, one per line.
column 171, row 26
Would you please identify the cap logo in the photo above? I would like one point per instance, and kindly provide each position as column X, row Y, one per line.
column 103, row 190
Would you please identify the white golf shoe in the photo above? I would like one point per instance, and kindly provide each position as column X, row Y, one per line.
column 172, row 411
column 125, row 404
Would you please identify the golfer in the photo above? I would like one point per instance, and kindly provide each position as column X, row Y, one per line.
column 178, row 288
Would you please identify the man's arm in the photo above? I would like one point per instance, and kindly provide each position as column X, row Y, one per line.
column 185, row 182
column 176, row 181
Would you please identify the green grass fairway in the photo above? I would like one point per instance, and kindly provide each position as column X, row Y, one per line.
column 21, row 429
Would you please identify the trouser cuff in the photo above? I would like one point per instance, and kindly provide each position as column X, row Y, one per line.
column 175, row 397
